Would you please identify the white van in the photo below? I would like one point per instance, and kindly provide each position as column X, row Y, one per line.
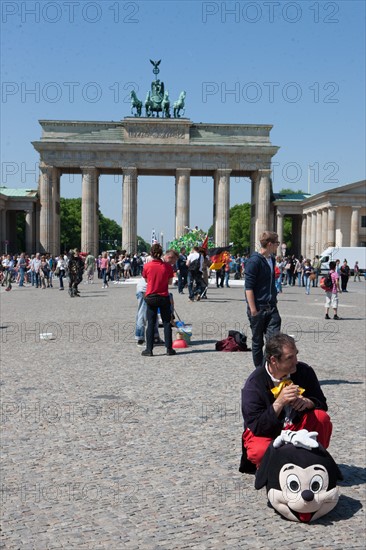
column 352, row 254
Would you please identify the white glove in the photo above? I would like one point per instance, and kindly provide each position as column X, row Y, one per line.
column 302, row 438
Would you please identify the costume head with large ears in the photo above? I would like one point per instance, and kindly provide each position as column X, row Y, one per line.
column 301, row 483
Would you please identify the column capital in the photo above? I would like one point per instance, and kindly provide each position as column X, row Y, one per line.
column 183, row 171
column 279, row 214
column 263, row 172
column 88, row 169
column 45, row 168
column 129, row 171
column 223, row 171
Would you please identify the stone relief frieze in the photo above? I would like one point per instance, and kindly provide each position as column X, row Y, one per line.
column 151, row 132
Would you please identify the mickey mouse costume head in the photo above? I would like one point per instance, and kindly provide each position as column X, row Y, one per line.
column 300, row 476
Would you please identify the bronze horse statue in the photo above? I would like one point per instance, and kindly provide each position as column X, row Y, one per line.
column 135, row 104
column 178, row 105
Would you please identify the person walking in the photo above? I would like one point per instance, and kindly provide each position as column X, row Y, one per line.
column 331, row 296
column 61, row 270
column 261, row 294
column 21, row 268
column 308, row 271
column 356, row 273
column 104, row 268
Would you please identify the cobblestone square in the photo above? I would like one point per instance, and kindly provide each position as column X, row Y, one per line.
column 103, row 448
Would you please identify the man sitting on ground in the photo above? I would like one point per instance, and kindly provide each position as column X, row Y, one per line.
column 282, row 394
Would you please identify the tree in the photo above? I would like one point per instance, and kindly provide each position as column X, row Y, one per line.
column 239, row 228
column 70, row 231
column 110, row 232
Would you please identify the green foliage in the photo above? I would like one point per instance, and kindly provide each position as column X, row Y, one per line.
column 110, row 232
column 239, row 228
column 291, row 192
column 189, row 240
column 239, row 223
column 287, row 232
column 70, row 232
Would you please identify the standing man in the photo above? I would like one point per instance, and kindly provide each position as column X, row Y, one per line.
column 331, row 295
column 261, row 294
column 90, row 267
column 182, row 270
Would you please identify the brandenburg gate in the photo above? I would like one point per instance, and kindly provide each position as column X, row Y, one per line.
column 152, row 146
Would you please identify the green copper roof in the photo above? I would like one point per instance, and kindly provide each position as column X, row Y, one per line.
column 18, row 192
column 291, row 196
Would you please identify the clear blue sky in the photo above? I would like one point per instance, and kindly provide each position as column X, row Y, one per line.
column 297, row 65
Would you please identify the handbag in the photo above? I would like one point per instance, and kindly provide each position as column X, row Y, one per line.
column 312, row 276
column 57, row 271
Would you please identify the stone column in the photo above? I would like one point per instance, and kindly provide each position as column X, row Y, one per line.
column 29, row 232
column 324, row 230
column 303, row 234
column 253, row 211
column 47, row 177
column 331, row 226
column 3, row 235
column 263, row 202
column 222, row 177
column 96, row 225
column 318, row 233
column 308, row 234
column 88, row 209
column 312, row 246
column 129, row 210
column 354, row 225
column 279, row 230
column 56, row 212
column 182, row 195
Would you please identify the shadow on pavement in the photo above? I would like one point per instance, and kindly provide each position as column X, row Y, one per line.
column 352, row 475
column 345, row 509
column 336, row 382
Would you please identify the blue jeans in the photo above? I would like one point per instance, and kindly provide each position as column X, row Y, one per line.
column 22, row 273
column 266, row 323
column 279, row 284
column 61, row 276
column 140, row 316
column 307, row 284
column 104, row 276
column 227, row 277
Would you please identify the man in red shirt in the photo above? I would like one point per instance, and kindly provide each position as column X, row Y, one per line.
column 158, row 275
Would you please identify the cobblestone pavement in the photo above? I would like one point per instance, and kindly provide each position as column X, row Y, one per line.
column 103, row 448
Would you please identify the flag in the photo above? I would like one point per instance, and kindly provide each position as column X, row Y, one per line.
column 218, row 256
column 205, row 243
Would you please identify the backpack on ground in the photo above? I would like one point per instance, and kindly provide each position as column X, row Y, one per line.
column 326, row 283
